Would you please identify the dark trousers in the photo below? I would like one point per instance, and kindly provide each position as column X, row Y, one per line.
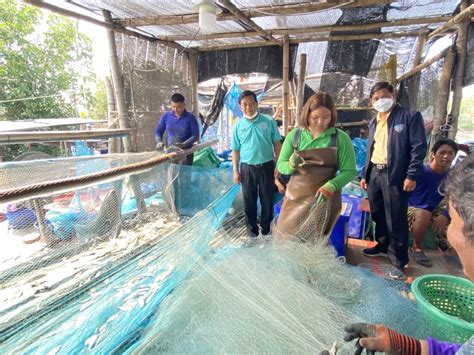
column 257, row 182
column 388, row 206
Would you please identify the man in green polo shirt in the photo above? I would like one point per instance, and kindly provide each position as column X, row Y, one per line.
column 255, row 144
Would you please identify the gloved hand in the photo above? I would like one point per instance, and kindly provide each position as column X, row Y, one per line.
column 376, row 337
column 159, row 146
column 173, row 149
column 295, row 160
column 325, row 193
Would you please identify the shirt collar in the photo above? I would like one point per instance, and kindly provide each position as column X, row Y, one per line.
column 178, row 118
column 327, row 132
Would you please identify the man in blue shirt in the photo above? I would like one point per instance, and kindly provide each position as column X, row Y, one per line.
column 255, row 144
column 426, row 197
column 181, row 128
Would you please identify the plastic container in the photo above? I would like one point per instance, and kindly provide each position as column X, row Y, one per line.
column 447, row 301
column 358, row 218
column 340, row 232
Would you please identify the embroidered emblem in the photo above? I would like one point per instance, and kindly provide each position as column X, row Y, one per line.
column 399, row 128
column 264, row 125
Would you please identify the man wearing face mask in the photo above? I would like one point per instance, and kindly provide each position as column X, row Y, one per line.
column 255, row 144
column 395, row 153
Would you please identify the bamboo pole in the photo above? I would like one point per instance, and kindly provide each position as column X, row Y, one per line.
column 227, row 4
column 108, row 25
column 423, row 65
column 117, row 83
column 286, row 64
column 308, row 30
column 461, row 50
column 313, row 39
column 300, row 89
column 465, row 15
column 63, row 185
column 192, row 60
column 258, row 11
column 415, row 84
column 57, row 136
column 110, row 116
column 444, row 86
column 45, row 233
column 292, row 104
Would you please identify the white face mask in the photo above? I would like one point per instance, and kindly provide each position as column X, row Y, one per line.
column 251, row 118
column 384, row 104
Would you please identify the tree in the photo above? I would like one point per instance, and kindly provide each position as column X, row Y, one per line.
column 99, row 103
column 45, row 68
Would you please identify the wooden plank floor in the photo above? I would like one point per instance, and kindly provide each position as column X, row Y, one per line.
column 443, row 263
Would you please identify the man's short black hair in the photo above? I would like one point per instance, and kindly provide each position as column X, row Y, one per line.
column 247, row 93
column 460, row 191
column 383, row 85
column 444, row 141
column 177, row 98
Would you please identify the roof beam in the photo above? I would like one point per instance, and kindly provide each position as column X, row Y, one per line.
column 226, row 4
column 111, row 26
column 307, row 30
column 359, row 37
column 289, row 9
column 463, row 15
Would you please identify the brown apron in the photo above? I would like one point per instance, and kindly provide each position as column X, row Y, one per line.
column 298, row 215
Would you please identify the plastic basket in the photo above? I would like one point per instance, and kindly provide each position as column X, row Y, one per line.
column 447, row 302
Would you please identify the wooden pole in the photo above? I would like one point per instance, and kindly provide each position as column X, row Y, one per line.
column 415, row 84
column 461, row 49
column 292, row 105
column 108, row 25
column 254, row 11
column 57, row 136
column 423, row 65
column 192, row 60
column 464, row 15
column 286, row 65
column 295, row 40
column 110, row 116
column 444, row 88
column 300, row 89
column 307, row 30
column 117, row 82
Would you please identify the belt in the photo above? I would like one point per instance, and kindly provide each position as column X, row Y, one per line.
column 379, row 166
column 259, row 165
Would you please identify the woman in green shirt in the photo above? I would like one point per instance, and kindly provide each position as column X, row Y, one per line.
column 321, row 161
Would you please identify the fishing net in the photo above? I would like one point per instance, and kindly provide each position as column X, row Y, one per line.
column 170, row 273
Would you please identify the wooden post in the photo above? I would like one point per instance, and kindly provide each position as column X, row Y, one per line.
column 286, row 64
column 110, row 113
column 192, row 59
column 300, row 88
column 461, row 46
column 117, row 82
column 45, row 233
column 415, row 85
column 444, row 87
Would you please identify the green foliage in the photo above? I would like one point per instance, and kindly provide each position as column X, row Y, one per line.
column 41, row 55
column 36, row 62
column 99, row 103
column 466, row 121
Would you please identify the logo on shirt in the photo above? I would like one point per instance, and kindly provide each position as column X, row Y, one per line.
column 399, row 128
column 264, row 125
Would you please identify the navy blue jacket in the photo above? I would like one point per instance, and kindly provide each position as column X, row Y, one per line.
column 406, row 148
